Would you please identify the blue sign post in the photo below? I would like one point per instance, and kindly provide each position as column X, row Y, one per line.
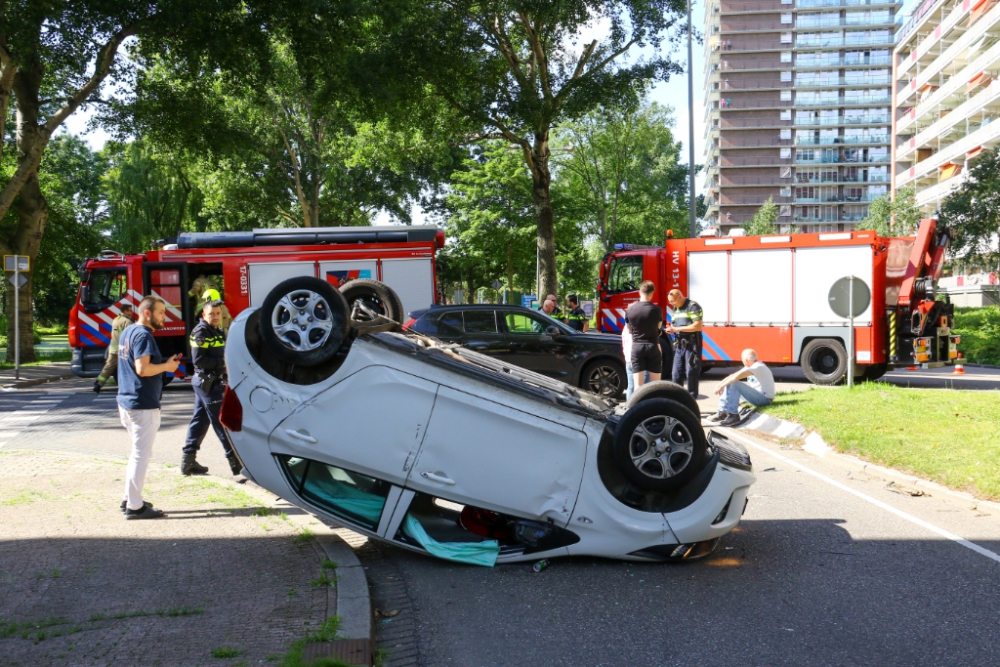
column 528, row 299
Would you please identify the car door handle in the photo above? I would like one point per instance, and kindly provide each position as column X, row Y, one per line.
column 438, row 477
column 298, row 435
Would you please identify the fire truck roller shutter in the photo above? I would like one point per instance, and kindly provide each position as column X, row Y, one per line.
column 816, row 270
column 708, row 276
column 412, row 279
column 266, row 276
column 760, row 288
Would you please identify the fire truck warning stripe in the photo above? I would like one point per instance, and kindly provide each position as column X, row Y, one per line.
column 715, row 348
column 93, row 336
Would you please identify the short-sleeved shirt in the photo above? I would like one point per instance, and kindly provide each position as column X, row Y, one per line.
column 576, row 318
column 134, row 392
column 762, row 380
column 644, row 317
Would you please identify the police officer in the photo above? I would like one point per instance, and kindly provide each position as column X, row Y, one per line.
column 577, row 317
column 686, row 326
column 208, row 349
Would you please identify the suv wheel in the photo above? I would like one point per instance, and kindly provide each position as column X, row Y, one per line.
column 604, row 377
column 659, row 445
column 304, row 321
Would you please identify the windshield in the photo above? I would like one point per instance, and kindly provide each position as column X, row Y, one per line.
column 625, row 274
column 104, row 289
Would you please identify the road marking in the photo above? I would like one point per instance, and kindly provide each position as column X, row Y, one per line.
column 25, row 416
column 874, row 501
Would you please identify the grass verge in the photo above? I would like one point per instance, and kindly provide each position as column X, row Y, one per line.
column 948, row 436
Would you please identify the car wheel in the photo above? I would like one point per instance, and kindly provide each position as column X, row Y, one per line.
column 366, row 298
column 604, row 377
column 304, row 321
column 659, row 445
column 824, row 361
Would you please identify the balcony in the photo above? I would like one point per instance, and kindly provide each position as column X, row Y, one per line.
column 843, row 81
column 844, row 62
column 826, row 42
column 830, row 159
column 810, row 4
column 804, row 178
column 829, row 141
column 755, row 161
column 843, row 101
column 839, row 199
column 808, row 22
column 844, row 120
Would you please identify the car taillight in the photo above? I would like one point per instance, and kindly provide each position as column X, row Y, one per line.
column 409, row 323
column 72, row 329
column 231, row 412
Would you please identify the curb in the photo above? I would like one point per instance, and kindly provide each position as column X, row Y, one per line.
column 352, row 601
column 983, row 366
column 24, row 384
column 815, row 445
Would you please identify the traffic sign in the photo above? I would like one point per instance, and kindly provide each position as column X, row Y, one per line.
column 527, row 299
column 840, row 297
column 22, row 262
column 21, row 279
column 496, row 285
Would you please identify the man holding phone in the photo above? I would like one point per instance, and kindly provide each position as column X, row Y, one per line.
column 140, row 386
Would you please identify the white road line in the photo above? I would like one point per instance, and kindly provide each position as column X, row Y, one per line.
column 14, row 417
column 874, row 501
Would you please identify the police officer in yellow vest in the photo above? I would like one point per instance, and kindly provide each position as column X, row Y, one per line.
column 208, row 355
column 577, row 317
column 685, row 325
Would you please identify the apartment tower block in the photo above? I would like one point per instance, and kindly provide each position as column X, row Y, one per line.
column 797, row 105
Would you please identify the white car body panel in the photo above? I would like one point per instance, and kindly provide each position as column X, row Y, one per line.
column 427, row 428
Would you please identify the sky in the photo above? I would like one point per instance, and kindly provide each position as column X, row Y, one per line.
column 672, row 93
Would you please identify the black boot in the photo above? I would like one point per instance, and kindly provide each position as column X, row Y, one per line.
column 98, row 386
column 191, row 467
column 235, row 464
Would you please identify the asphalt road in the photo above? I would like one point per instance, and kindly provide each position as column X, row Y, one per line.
column 829, row 567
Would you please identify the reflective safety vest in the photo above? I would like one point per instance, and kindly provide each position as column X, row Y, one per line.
column 208, row 347
column 687, row 314
column 576, row 318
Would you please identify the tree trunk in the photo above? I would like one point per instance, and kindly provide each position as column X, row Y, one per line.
column 32, row 213
column 541, row 182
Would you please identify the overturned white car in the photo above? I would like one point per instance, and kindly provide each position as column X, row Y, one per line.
column 441, row 450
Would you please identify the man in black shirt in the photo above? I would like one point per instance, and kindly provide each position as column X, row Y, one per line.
column 644, row 319
column 577, row 317
column 686, row 326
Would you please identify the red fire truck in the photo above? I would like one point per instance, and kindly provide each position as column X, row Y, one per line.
column 771, row 293
column 245, row 266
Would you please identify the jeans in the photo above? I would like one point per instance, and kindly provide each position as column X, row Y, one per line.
column 729, row 399
column 141, row 426
column 631, row 380
column 206, row 413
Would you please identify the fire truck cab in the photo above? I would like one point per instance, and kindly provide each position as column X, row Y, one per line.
column 771, row 293
column 244, row 266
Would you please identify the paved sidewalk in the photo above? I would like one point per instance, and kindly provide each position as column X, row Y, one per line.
column 35, row 375
column 79, row 585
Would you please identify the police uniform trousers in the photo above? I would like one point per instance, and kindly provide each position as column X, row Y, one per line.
column 687, row 365
column 206, row 413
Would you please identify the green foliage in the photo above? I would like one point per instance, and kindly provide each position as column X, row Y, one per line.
column 972, row 212
column 899, row 217
column 980, row 332
column 620, row 175
column 764, row 220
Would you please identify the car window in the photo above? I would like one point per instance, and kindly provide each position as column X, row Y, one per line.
column 350, row 495
column 625, row 274
column 522, row 323
column 448, row 323
column 480, row 321
column 106, row 288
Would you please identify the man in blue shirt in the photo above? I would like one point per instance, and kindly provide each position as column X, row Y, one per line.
column 140, row 385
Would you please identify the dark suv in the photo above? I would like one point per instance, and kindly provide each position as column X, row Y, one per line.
column 532, row 340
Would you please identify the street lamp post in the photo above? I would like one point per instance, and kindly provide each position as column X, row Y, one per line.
column 691, row 121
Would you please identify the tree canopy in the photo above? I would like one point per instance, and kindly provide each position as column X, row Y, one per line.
column 972, row 212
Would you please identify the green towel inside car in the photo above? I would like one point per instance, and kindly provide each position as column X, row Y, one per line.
column 474, row 553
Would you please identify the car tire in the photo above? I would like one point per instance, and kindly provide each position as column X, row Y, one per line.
column 314, row 334
column 668, row 390
column 824, row 361
column 378, row 296
column 604, row 377
column 659, row 445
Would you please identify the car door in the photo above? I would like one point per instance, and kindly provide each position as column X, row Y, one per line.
column 495, row 456
column 481, row 332
column 530, row 347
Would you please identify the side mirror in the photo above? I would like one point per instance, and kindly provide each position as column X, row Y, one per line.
column 553, row 331
column 85, row 294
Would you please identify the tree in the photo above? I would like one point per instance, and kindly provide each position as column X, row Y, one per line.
column 491, row 227
column 621, row 170
column 972, row 212
column 899, row 217
column 55, row 56
column 763, row 221
column 514, row 70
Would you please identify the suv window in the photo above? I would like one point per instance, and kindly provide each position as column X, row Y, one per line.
column 480, row 321
column 521, row 323
column 104, row 289
column 625, row 274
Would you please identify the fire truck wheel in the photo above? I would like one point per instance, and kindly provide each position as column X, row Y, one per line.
column 304, row 321
column 659, row 445
column 824, row 361
column 376, row 296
